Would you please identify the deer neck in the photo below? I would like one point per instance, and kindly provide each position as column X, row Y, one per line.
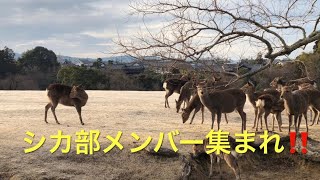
column 251, row 97
column 204, row 98
column 289, row 103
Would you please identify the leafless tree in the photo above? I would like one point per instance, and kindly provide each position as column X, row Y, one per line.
column 193, row 29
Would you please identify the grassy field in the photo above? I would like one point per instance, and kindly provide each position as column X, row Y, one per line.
column 137, row 112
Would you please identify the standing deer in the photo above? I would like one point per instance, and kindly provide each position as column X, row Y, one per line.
column 313, row 97
column 185, row 95
column 223, row 101
column 296, row 105
column 171, row 86
column 252, row 95
column 299, row 84
column 230, row 159
column 267, row 104
column 66, row 95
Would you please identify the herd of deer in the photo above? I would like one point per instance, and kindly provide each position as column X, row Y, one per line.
column 296, row 97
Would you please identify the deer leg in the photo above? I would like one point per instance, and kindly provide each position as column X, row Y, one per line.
column 194, row 114
column 202, row 112
column 306, row 118
column 259, row 118
column 225, row 116
column 219, row 118
column 266, row 114
column 296, row 123
column 255, row 117
column 243, row 116
column 318, row 117
column 232, row 163
column 47, row 107
column 219, row 165
column 290, row 122
column 211, row 164
column 279, row 119
column 273, row 119
column 213, row 114
column 299, row 121
column 316, row 113
column 53, row 109
column 168, row 94
column 78, row 107
column 261, row 121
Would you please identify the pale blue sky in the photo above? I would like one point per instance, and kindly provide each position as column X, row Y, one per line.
column 70, row 27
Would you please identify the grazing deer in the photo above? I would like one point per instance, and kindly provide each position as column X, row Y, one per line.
column 194, row 104
column 171, row 86
column 267, row 104
column 66, row 95
column 252, row 95
column 223, row 101
column 185, row 94
column 230, row 159
column 296, row 105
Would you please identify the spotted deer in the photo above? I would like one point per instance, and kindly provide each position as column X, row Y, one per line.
column 296, row 105
column 172, row 86
column 223, row 101
column 65, row 95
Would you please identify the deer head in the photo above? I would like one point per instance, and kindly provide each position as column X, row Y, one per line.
column 78, row 92
column 286, row 91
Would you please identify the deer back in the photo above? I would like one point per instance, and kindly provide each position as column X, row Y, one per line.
column 175, row 84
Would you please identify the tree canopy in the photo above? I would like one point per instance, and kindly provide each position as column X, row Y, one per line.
column 39, row 59
column 7, row 61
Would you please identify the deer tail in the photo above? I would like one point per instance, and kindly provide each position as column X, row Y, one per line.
column 260, row 103
column 164, row 85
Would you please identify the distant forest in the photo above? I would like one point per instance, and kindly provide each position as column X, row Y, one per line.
column 38, row 67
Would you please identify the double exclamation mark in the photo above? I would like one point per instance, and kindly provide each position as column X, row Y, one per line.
column 304, row 138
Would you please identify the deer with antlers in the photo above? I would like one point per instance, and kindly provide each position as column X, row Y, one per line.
column 66, row 95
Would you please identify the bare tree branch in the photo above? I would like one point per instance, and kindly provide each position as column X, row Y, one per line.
column 197, row 29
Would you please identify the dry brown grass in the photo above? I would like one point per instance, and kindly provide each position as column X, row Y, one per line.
column 110, row 112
